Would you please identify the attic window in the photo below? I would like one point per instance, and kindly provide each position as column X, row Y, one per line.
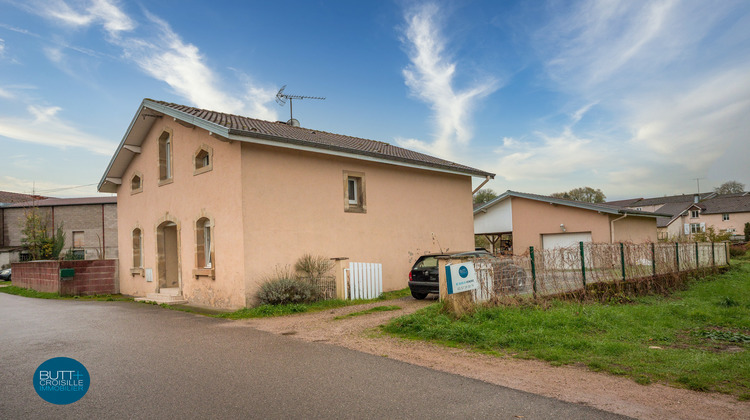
column 694, row 214
column 203, row 159
column 136, row 183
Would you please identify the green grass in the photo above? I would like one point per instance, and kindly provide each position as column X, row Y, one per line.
column 20, row 291
column 694, row 339
column 264, row 311
column 370, row 311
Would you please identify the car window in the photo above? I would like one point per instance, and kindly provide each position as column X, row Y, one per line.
column 428, row 262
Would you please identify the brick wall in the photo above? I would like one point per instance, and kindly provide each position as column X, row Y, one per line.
column 92, row 277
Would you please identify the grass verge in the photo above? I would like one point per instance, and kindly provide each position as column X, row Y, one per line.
column 20, row 291
column 264, row 311
column 369, row 311
column 696, row 339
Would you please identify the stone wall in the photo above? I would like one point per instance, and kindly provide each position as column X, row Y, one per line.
column 92, row 277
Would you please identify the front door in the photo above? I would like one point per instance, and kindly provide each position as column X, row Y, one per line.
column 168, row 261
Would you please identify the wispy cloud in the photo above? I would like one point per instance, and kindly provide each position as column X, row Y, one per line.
column 44, row 126
column 161, row 53
column 666, row 81
column 52, row 189
column 431, row 77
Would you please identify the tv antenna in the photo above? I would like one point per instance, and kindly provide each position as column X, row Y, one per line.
column 282, row 97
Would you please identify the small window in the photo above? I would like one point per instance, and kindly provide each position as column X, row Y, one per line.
column 78, row 239
column 354, row 192
column 695, row 228
column 730, row 230
column 694, row 214
column 203, row 160
column 165, row 156
column 136, row 184
column 137, row 248
column 639, row 208
column 204, row 243
column 725, row 217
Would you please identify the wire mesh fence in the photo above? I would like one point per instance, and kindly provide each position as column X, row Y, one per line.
column 593, row 266
column 326, row 285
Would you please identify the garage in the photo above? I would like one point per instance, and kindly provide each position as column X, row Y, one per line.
column 564, row 240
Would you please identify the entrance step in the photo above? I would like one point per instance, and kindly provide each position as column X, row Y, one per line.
column 170, row 296
column 170, row 291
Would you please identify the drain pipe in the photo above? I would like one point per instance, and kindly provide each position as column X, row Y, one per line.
column 612, row 227
column 486, row 180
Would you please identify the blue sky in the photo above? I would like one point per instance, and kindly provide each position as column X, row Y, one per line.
column 637, row 98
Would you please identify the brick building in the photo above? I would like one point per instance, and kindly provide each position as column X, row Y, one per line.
column 89, row 223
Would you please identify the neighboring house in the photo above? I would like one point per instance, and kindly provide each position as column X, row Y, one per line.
column 89, row 223
column 691, row 214
column 10, row 253
column 547, row 222
column 211, row 204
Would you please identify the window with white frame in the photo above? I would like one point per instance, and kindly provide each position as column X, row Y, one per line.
column 725, row 217
column 204, row 243
column 165, row 156
column 354, row 192
column 203, row 159
column 137, row 248
column 695, row 228
column 694, row 214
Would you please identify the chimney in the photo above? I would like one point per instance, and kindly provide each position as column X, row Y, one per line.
column 696, row 198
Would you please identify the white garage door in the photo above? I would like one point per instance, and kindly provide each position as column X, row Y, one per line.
column 564, row 240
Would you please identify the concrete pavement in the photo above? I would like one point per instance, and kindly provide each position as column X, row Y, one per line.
column 149, row 362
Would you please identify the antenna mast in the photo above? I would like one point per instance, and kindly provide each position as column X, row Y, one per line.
column 282, row 97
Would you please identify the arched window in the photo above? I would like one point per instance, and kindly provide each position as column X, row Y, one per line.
column 204, row 243
column 165, row 156
column 203, row 160
column 137, row 248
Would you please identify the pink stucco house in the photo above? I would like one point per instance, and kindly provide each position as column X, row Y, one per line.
column 209, row 204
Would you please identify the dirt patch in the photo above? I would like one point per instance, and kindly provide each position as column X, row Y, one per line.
column 574, row 384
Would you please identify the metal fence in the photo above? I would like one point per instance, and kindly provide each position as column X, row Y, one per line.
column 563, row 270
column 326, row 285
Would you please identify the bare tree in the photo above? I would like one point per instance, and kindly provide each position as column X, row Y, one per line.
column 730, row 187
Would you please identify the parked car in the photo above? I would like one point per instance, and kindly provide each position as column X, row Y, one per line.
column 5, row 274
column 423, row 277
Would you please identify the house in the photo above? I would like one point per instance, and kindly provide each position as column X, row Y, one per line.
column 211, row 204
column 691, row 214
column 547, row 222
column 89, row 223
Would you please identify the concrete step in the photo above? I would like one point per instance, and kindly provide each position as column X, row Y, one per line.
column 160, row 298
column 171, row 291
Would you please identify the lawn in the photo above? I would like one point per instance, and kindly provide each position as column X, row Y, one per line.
column 20, row 291
column 697, row 339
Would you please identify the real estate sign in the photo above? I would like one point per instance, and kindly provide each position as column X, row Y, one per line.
column 460, row 277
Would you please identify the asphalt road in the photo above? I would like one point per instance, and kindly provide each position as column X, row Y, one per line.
column 149, row 362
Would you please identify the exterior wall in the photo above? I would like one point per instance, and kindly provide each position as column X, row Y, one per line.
column 497, row 219
column 85, row 217
column 635, row 229
column 676, row 229
column 293, row 203
column 95, row 277
column 215, row 194
column 532, row 219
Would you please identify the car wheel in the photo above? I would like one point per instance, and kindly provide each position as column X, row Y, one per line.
column 418, row 296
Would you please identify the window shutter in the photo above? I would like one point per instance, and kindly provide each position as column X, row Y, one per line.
column 687, row 229
column 703, row 227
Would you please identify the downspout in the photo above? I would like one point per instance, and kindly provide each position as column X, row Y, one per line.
column 612, row 227
column 486, row 180
column 104, row 244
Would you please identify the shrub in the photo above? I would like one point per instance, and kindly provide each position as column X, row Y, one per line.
column 736, row 251
column 284, row 287
column 313, row 266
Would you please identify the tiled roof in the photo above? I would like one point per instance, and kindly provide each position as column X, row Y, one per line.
column 729, row 203
column 655, row 201
column 11, row 197
column 282, row 132
column 50, row 202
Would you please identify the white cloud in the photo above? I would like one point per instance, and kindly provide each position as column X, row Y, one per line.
column 43, row 126
column 103, row 12
column 431, row 76
column 46, row 188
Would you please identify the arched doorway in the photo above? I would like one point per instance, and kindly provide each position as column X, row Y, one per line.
column 168, row 262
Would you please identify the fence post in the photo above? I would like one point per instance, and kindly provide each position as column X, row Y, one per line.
column 533, row 268
column 338, row 271
column 653, row 259
column 726, row 252
column 713, row 255
column 677, row 255
column 622, row 259
column 583, row 266
column 697, row 258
